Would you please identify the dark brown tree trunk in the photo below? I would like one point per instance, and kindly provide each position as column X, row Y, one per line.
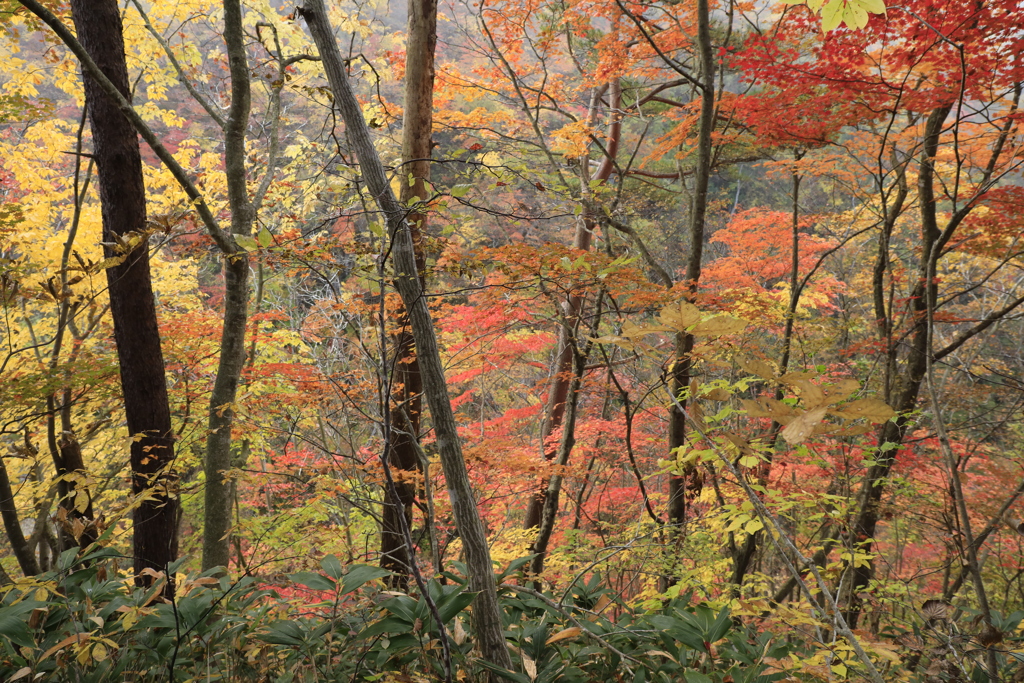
column 908, row 384
column 218, row 492
column 686, row 486
column 123, row 201
column 486, row 611
column 12, row 525
column 406, row 399
column 562, row 375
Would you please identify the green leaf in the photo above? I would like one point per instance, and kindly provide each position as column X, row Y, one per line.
column 461, row 190
column 13, row 626
column 264, row 237
column 283, row 632
column 247, row 243
column 359, row 574
column 514, row 566
column 696, row 677
column 332, row 567
column 403, row 606
column 390, row 624
column 454, row 604
column 317, row 582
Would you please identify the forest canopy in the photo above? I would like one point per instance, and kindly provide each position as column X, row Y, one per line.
column 528, row 340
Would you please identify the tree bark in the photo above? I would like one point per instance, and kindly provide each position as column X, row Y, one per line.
column 486, row 612
column 218, row 493
column 908, row 384
column 132, row 306
column 12, row 525
column 406, row 399
column 686, row 486
column 562, row 376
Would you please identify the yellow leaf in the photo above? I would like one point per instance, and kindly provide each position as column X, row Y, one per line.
column 563, row 634
column 719, row 325
column 679, row 315
column 75, row 638
column 21, row 673
column 832, row 15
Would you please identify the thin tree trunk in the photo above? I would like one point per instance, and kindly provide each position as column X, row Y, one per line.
column 12, row 525
column 123, row 202
column 562, row 375
column 554, row 484
column 744, row 555
column 486, row 612
column 686, row 486
column 218, row 492
column 406, row 400
column 908, row 384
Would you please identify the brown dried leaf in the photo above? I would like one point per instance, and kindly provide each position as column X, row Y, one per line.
column 460, row 632
column 756, row 367
column 811, row 395
column 873, row 409
column 911, row 642
column 791, row 377
column 531, row 667
column 840, row 391
column 718, row 394
column 799, row 429
column 679, row 316
column 856, row 430
column 935, row 609
column 756, row 407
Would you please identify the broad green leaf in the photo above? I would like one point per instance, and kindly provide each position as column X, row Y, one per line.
column 317, row 582
column 454, row 604
column 390, row 624
column 360, row 574
column 264, row 237
column 331, row 566
column 247, row 243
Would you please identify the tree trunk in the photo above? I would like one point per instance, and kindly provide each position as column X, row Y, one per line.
column 908, row 384
column 687, row 486
column 12, row 525
column 486, row 612
column 218, row 493
column 123, row 202
column 406, row 398
column 562, row 369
